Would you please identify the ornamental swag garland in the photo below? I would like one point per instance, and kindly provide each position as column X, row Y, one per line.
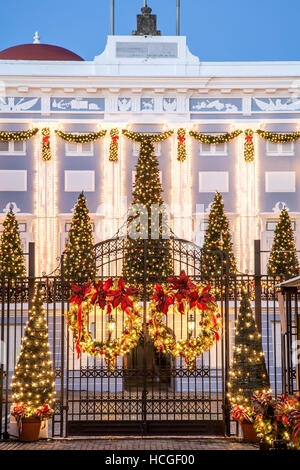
column 18, row 135
column 278, row 137
column 140, row 137
column 215, row 139
column 80, row 138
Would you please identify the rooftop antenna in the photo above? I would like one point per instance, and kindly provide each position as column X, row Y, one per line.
column 177, row 17
column 112, row 17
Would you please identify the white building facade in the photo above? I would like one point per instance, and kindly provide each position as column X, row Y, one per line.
column 147, row 84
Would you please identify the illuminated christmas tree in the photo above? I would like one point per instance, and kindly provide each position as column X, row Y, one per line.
column 12, row 263
column 217, row 238
column 283, row 257
column 33, row 380
column 248, row 373
column 151, row 227
column 79, row 262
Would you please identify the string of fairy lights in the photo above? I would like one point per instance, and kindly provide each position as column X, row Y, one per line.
column 212, row 139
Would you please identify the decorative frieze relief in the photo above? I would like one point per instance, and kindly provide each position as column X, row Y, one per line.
column 19, row 104
column 77, row 105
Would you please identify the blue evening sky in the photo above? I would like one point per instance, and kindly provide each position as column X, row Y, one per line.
column 217, row 30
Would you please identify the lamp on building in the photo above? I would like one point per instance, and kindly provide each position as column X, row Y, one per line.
column 111, row 326
column 191, row 325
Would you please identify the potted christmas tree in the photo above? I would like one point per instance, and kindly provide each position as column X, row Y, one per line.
column 33, row 380
column 248, row 374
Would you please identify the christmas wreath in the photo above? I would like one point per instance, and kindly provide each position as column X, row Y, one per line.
column 112, row 298
column 186, row 298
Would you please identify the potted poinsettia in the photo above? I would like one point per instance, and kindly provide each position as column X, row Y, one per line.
column 245, row 416
column 29, row 420
column 277, row 420
column 33, row 380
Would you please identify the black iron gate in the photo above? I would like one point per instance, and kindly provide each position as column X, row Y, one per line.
column 148, row 392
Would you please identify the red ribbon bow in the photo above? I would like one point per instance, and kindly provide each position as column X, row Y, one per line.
column 249, row 139
column 44, row 411
column 239, row 414
column 77, row 298
column 46, row 139
column 181, row 140
column 115, row 139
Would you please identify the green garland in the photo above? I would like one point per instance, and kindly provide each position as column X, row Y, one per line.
column 140, row 137
column 249, row 146
column 18, row 135
column 215, row 139
column 277, row 137
column 80, row 138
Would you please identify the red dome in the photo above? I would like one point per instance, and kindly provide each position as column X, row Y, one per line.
column 38, row 52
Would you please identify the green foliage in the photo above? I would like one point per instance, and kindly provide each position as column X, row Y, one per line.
column 248, row 374
column 33, row 380
column 217, row 238
column 148, row 192
column 12, row 263
column 79, row 263
column 283, row 257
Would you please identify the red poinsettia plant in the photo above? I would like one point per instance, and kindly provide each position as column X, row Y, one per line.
column 103, row 295
column 277, row 418
column 183, row 294
column 21, row 410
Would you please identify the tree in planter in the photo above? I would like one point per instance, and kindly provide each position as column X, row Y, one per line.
column 217, row 238
column 12, row 263
column 79, row 263
column 148, row 193
column 283, row 257
column 248, row 373
column 33, row 380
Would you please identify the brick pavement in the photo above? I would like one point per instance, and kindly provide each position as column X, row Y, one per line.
column 112, row 444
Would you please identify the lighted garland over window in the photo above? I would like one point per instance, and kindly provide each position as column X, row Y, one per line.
column 80, row 138
column 140, row 137
column 276, row 137
column 215, row 139
column 18, row 135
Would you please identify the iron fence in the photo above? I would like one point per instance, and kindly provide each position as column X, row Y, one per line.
column 147, row 392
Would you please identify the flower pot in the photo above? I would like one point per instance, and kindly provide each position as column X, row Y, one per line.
column 249, row 433
column 29, row 429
